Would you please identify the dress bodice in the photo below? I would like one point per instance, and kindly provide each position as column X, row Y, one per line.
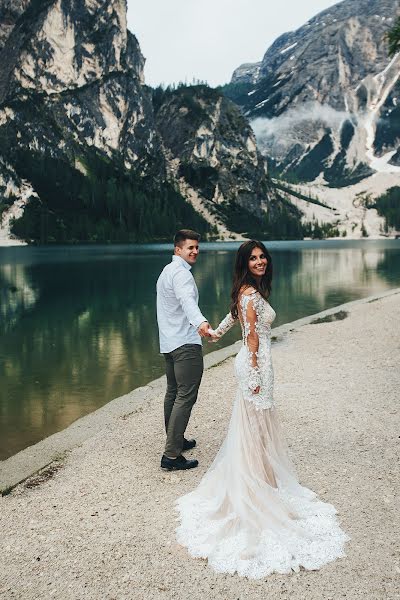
column 264, row 315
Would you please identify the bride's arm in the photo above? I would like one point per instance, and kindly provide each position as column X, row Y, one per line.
column 226, row 324
column 251, row 340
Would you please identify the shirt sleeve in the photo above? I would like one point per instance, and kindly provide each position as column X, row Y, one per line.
column 186, row 293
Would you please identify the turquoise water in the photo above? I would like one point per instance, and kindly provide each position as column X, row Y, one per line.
column 78, row 323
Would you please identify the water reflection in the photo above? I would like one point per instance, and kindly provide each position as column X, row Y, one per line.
column 78, row 325
column 16, row 295
column 321, row 279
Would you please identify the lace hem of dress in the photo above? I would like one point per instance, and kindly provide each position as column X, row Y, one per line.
column 316, row 540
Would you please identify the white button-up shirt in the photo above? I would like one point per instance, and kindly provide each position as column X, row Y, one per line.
column 178, row 314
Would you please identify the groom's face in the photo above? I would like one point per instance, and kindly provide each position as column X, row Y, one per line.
column 188, row 250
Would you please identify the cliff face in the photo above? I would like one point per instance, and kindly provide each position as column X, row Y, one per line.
column 323, row 102
column 73, row 103
column 212, row 148
column 75, row 65
column 212, row 153
column 10, row 11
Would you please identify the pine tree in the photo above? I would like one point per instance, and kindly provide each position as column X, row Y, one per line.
column 394, row 38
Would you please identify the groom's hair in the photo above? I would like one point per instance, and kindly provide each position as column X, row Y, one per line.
column 185, row 234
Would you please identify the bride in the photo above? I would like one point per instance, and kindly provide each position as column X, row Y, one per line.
column 249, row 514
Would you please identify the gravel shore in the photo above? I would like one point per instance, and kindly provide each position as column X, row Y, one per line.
column 100, row 523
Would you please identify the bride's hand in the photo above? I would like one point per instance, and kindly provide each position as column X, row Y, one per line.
column 213, row 336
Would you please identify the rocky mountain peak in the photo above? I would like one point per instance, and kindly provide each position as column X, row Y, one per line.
column 56, row 45
column 325, row 94
column 246, row 73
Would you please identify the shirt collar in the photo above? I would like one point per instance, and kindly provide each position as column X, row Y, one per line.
column 182, row 261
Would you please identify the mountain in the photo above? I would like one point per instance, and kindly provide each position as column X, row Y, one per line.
column 324, row 101
column 84, row 157
column 211, row 152
column 74, row 115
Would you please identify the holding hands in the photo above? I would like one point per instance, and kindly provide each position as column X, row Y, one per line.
column 214, row 337
column 206, row 331
column 204, row 328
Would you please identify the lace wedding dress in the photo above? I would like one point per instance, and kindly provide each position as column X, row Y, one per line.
column 249, row 514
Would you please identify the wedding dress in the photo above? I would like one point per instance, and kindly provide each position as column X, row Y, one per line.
column 249, row 514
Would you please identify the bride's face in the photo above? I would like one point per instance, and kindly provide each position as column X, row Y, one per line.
column 257, row 263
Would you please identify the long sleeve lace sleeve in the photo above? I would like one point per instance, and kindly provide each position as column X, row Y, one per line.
column 226, row 324
column 251, row 337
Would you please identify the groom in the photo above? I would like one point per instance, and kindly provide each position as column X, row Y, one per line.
column 181, row 327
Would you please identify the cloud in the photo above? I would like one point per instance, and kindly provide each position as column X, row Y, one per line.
column 296, row 118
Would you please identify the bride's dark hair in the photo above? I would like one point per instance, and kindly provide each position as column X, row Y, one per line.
column 242, row 278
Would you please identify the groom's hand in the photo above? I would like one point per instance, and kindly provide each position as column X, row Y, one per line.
column 203, row 329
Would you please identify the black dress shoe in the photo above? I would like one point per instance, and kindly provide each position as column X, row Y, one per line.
column 188, row 444
column 177, row 464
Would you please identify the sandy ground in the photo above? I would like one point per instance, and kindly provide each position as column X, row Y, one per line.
column 102, row 527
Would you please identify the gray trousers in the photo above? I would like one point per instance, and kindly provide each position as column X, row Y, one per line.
column 184, row 369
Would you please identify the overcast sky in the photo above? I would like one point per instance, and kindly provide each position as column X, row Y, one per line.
column 208, row 39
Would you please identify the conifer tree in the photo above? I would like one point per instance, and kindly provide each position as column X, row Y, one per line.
column 394, row 38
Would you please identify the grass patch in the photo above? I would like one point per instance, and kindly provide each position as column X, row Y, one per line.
column 374, row 300
column 337, row 316
column 42, row 476
column 137, row 410
column 7, row 490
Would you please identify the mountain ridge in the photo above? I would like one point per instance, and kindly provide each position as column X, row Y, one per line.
column 74, row 102
column 324, row 88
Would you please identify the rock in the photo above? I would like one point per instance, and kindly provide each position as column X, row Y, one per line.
column 212, row 152
column 323, row 101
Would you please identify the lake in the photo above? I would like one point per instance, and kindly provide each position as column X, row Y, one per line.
column 78, row 323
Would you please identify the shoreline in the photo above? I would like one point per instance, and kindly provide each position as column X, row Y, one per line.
column 21, row 243
column 26, row 463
